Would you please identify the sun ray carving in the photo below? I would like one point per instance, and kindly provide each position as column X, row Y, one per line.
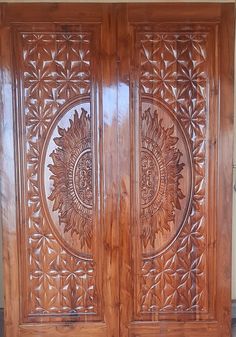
column 160, row 168
column 72, row 193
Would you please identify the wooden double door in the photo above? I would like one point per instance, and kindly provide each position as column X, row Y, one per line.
column 116, row 169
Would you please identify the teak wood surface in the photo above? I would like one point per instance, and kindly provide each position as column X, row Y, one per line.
column 116, row 169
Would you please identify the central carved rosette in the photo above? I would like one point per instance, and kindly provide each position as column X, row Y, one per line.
column 150, row 177
column 160, row 173
column 72, row 170
column 82, row 179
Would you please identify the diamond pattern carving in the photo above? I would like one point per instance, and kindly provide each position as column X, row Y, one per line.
column 58, row 66
column 173, row 68
column 55, row 68
column 53, row 269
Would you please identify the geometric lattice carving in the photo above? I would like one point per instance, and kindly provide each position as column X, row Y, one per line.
column 60, row 283
column 72, row 177
column 55, row 68
column 173, row 69
column 160, row 174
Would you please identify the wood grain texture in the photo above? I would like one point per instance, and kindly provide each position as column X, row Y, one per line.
column 117, row 152
column 126, row 166
column 175, row 329
column 224, row 195
column 8, row 192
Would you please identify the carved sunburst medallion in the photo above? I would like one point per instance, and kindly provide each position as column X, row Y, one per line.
column 72, row 176
column 160, row 174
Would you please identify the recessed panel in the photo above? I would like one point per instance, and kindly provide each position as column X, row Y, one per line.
column 60, row 277
column 171, row 190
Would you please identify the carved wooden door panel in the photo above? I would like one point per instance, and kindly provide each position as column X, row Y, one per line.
column 66, row 230
column 117, row 148
column 176, row 264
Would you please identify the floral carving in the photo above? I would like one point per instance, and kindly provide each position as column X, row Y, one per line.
column 173, row 69
column 76, row 293
column 72, row 177
column 160, row 175
column 55, row 68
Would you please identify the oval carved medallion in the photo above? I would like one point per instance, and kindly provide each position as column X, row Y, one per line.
column 68, row 179
column 164, row 162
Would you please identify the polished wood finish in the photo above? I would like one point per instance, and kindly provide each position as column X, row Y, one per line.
column 66, row 232
column 225, row 162
column 116, row 154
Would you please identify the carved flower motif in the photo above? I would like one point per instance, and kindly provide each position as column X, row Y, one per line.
column 160, row 175
column 72, row 177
